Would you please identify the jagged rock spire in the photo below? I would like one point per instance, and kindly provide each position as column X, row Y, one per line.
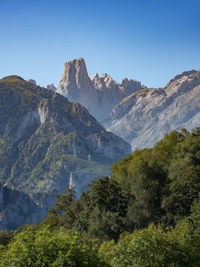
column 98, row 94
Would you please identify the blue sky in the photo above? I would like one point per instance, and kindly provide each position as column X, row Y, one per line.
column 147, row 40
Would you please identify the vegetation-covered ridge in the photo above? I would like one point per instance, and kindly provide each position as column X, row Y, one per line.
column 146, row 214
column 46, row 139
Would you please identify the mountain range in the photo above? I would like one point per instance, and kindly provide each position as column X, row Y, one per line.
column 139, row 115
column 53, row 139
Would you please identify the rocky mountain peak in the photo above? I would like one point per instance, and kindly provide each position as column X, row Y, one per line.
column 183, row 82
column 77, row 86
column 95, row 76
column 75, row 73
column 82, row 78
column 108, row 80
column 51, row 87
column 98, row 94
column 32, row 81
column 185, row 74
column 125, row 82
column 98, row 82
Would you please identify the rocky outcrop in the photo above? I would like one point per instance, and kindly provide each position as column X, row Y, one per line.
column 145, row 116
column 51, row 87
column 32, row 81
column 98, row 94
column 44, row 139
column 76, row 85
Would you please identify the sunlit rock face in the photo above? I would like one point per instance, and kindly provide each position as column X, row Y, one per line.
column 98, row 94
column 77, row 87
column 145, row 116
column 138, row 114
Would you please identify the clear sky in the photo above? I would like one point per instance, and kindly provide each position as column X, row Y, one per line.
column 147, row 40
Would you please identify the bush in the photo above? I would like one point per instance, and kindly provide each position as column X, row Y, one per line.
column 154, row 247
column 45, row 247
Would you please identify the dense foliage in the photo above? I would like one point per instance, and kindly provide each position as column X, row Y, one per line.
column 98, row 214
column 154, row 246
column 45, row 247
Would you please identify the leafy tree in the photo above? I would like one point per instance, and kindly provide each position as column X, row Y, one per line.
column 65, row 210
column 194, row 217
column 196, row 131
column 164, row 150
column 105, row 206
column 145, row 182
column 187, row 154
column 6, row 237
column 45, row 247
column 99, row 213
column 154, row 247
column 182, row 192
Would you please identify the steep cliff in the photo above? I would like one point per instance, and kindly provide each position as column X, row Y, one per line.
column 45, row 141
column 98, row 94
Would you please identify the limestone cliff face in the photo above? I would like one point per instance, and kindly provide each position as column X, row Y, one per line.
column 44, row 140
column 75, row 74
column 98, row 94
column 76, row 85
column 145, row 116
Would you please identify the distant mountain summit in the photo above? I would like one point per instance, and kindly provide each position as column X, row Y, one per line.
column 76, row 85
column 51, row 87
column 138, row 114
column 98, row 94
column 145, row 116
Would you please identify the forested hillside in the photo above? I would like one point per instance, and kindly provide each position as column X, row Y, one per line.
column 146, row 214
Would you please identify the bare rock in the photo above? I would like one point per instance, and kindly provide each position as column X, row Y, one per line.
column 51, row 87
column 32, row 81
column 99, row 94
column 144, row 117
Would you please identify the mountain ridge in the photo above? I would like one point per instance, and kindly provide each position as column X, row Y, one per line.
column 145, row 116
column 45, row 140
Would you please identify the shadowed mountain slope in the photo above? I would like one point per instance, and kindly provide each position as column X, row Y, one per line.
column 48, row 143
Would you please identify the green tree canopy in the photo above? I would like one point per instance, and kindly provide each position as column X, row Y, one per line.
column 45, row 247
